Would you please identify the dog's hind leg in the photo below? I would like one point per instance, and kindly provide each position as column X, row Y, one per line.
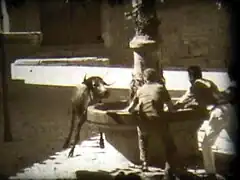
column 81, row 121
column 67, row 141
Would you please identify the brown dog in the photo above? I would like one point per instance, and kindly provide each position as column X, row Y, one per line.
column 91, row 91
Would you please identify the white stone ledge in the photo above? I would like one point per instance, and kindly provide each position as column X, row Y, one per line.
column 72, row 75
column 56, row 61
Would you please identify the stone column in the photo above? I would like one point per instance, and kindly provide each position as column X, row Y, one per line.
column 144, row 43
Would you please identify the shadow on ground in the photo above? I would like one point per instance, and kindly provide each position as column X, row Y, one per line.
column 40, row 121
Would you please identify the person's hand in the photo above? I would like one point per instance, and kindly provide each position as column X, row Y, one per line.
column 165, row 108
column 177, row 106
column 131, row 110
column 210, row 107
column 216, row 116
column 191, row 105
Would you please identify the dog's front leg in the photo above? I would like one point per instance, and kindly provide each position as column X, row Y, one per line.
column 101, row 140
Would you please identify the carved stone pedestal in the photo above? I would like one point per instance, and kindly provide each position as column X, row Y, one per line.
column 144, row 43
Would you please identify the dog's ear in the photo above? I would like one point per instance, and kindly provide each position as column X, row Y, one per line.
column 87, row 81
column 85, row 78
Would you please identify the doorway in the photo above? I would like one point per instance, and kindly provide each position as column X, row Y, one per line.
column 70, row 23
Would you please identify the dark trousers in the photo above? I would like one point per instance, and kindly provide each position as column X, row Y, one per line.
column 148, row 124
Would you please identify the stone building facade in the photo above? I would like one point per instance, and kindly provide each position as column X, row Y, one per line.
column 191, row 31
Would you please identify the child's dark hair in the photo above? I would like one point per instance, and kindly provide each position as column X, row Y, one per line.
column 195, row 71
column 150, row 74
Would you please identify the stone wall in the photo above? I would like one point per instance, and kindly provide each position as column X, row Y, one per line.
column 192, row 32
column 117, row 32
column 25, row 18
column 22, row 19
column 195, row 34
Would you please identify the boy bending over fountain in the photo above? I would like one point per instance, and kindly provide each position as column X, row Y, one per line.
column 221, row 117
column 149, row 103
column 203, row 93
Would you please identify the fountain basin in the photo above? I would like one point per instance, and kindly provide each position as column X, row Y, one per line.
column 111, row 115
column 119, row 127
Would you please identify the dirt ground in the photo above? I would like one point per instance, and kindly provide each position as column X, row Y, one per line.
column 40, row 120
column 38, row 128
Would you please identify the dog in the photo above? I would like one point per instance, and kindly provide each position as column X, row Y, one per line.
column 91, row 91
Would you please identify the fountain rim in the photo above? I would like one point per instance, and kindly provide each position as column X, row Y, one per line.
column 94, row 112
column 103, row 120
column 94, row 108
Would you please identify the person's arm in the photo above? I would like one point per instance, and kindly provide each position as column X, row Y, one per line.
column 185, row 99
column 134, row 103
column 167, row 100
column 226, row 96
column 170, row 106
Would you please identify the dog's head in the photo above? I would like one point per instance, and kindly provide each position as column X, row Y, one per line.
column 98, row 86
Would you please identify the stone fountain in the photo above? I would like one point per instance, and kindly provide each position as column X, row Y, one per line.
column 118, row 125
column 120, row 130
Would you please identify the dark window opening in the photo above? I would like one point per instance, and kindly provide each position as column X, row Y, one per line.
column 70, row 23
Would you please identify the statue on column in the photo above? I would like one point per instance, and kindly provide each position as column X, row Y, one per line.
column 144, row 43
